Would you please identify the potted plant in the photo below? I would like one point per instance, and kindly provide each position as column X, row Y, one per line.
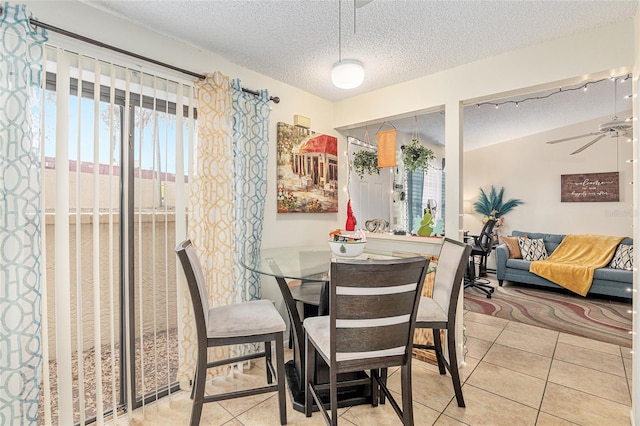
column 492, row 207
column 416, row 156
column 365, row 162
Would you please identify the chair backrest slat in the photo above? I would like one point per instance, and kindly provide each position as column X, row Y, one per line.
column 373, row 305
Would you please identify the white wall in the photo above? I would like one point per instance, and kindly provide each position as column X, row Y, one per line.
column 530, row 169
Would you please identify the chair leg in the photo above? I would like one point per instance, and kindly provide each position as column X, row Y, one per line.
column 282, row 399
column 193, row 381
column 384, row 372
column 198, row 393
column 407, row 394
column 437, row 343
column 453, row 366
column 268, row 360
column 375, row 389
column 308, row 377
column 333, row 384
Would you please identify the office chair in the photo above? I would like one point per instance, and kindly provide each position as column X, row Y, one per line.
column 247, row 322
column 370, row 326
column 482, row 245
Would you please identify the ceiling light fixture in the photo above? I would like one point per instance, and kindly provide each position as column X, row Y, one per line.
column 348, row 73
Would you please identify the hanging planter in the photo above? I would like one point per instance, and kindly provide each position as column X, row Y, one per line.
column 416, row 156
column 365, row 162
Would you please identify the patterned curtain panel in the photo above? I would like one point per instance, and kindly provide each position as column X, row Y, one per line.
column 250, row 150
column 211, row 207
column 20, row 256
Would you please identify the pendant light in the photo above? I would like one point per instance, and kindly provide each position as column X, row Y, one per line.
column 347, row 73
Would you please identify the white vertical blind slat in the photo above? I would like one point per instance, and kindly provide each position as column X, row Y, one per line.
column 46, row 381
column 141, row 257
column 97, row 302
column 112, row 305
column 129, row 128
column 62, row 273
column 79, row 310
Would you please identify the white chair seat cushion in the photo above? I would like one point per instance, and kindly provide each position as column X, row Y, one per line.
column 430, row 311
column 317, row 328
column 244, row 319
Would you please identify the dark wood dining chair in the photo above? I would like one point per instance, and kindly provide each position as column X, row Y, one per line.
column 256, row 321
column 372, row 311
column 438, row 312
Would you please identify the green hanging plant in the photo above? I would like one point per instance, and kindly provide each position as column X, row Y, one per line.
column 416, row 156
column 365, row 162
column 491, row 206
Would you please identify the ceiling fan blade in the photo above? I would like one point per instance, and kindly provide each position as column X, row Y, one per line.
column 588, row 145
column 573, row 137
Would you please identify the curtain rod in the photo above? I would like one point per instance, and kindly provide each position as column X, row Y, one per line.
column 50, row 27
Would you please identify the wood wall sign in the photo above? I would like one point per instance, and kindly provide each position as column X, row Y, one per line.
column 590, row 187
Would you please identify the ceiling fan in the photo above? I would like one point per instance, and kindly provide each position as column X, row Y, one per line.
column 614, row 128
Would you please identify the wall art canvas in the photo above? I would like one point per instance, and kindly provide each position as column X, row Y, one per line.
column 590, row 187
column 307, row 171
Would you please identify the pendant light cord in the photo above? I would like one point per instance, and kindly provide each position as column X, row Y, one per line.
column 339, row 31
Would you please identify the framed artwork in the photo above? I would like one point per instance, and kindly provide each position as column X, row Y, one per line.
column 590, row 187
column 307, row 171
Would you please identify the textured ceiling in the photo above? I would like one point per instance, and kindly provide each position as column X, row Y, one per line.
column 397, row 40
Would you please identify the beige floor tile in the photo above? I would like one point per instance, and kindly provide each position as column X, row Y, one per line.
column 601, row 361
column 515, row 359
column 267, row 413
column 627, row 362
column 545, row 419
column 536, row 345
column 464, row 370
column 531, row 330
column 590, row 381
column 448, row 421
column 482, row 331
column 582, row 408
column 467, row 369
column 177, row 411
column 383, row 415
column 477, row 348
column 626, row 352
column 583, row 342
column 429, row 387
column 249, row 379
column 486, row 408
column 510, row 384
column 485, row 319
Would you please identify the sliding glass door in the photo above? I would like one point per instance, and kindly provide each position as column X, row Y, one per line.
column 116, row 144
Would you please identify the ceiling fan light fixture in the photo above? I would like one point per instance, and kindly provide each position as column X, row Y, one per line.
column 347, row 74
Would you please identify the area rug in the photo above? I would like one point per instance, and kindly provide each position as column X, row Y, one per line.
column 599, row 319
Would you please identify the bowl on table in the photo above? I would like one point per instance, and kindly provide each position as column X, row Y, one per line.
column 347, row 248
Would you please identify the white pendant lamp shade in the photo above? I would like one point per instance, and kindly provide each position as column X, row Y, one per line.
column 347, row 74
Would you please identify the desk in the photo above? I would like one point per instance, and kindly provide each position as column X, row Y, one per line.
column 310, row 265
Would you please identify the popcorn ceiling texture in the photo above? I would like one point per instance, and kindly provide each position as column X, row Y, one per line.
column 297, row 41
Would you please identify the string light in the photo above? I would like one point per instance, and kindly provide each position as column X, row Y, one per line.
column 583, row 87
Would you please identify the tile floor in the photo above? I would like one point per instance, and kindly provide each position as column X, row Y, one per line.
column 515, row 374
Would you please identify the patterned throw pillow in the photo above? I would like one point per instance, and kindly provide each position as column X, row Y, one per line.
column 623, row 258
column 512, row 245
column 532, row 249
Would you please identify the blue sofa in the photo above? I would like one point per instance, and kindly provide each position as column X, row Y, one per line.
column 606, row 281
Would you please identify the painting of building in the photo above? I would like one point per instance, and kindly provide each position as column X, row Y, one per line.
column 307, row 171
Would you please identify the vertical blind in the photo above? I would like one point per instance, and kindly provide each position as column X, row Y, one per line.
column 117, row 149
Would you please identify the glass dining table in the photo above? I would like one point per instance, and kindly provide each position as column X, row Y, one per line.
column 310, row 265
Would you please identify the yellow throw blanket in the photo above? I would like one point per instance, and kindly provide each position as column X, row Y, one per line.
column 572, row 264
